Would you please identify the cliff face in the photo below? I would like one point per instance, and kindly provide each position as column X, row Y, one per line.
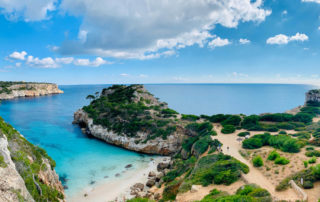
column 132, row 118
column 155, row 146
column 14, row 90
column 26, row 171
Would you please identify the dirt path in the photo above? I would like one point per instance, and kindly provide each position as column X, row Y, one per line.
column 254, row 176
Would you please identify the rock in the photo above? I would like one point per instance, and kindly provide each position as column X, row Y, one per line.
column 313, row 96
column 162, row 165
column 65, row 187
column 142, row 194
column 128, row 166
column 138, row 186
column 184, row 154
column 159, row 176
column 150, row 183
column 105, row 176
column 156, row 196
column 165, row 171
column 152, row 174
column 92, row 182
column 117, row 175
column 194, row 189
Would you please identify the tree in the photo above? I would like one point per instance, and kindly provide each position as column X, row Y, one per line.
column 90, row 97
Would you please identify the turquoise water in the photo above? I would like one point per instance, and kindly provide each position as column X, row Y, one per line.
column 83, row 161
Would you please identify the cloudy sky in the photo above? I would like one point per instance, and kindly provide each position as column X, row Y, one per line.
column 160, row 41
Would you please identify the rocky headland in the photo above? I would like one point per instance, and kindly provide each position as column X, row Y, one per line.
column 132, row 118
column 26, row 171
column 11, row 90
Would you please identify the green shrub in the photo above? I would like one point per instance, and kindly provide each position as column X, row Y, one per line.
column 282, row 132
column 189, row 117
column 2, row 163
column 310, row 148
column 243, row 134
column 252, row 143
column 312, row 160
column 312, row 153
column 251, row 122
column 281, row 161
column 140, row 200
column 305, row 163
column 232, row 120
column 171, row 190
column 307, row 185
column 228, row 129
column 257, row 161
column 273, row 155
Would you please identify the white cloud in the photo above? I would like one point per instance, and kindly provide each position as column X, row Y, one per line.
column 237, row 74
column 218, row 42
column 284, row 39
column 47, row 62
column 285, row 12
column 143, row 75
column 67, row 60
column 244, row 41
column 315, row 1
column 50, row 62
column 124, row 75
column 146, row 29
column 18, row 55
column 31, row 10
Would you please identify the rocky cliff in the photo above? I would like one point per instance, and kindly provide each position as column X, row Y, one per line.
column 10, row 90
column 26, row 171
column 132, row 118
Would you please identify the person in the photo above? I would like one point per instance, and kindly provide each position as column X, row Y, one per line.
column 228, row 148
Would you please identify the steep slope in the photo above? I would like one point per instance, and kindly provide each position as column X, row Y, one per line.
column 26, row 171
column 10, row 90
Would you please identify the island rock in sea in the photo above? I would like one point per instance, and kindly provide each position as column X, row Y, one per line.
column 11, row 90
column 132, row 118
column 26, row 171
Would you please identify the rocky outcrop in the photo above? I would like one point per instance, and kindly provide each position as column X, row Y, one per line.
column 26, row 171
column 155, row 146
column 12, row 187
column 28, row 90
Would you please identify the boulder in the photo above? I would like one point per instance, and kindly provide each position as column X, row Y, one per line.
column 159, row 176
column 152, row 174
column 138, row 186
column 194, row 189
column 150, row 183
column 161, row 166
column 128, row 166
column 157, row 196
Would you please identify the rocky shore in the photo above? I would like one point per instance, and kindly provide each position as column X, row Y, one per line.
column 15, row 90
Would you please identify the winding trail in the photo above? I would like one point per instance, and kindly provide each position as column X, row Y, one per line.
column 254, row 176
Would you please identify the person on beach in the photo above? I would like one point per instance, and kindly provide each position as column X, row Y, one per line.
column 228, row 148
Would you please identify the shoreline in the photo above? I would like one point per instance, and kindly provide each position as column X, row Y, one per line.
column 118, row 189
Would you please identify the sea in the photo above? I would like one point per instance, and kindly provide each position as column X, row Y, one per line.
column 83, row 161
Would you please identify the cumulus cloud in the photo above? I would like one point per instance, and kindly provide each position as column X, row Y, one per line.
column 31, row 10
column 49, row 62
column 218, row 42
column 124, row 75
column 18, row 55
column 147, row 29
column 284, row 39
column 244, row 41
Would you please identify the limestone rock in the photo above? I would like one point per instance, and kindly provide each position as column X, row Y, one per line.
column 150, row 183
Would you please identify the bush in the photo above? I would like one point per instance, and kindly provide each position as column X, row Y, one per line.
column 252, row 143
column 310, row 148
column 307, row 185
column 243, row 134
column 257, row 161
column 232, row 120
column 312, row 160
column 251, row 122
column 228, row 129
column 305, row 163
column 189, row 117
column 303, row 117
column 281, row 161
column 282, row 132
column 273, row 155
column 313, row 153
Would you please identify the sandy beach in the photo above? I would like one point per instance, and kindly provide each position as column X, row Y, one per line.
column 118, row 189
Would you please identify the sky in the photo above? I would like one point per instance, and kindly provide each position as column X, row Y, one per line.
column 160, row 41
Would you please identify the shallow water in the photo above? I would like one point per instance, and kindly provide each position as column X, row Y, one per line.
column 47, row 122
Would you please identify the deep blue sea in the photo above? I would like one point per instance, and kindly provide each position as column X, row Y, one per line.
column 47, row 122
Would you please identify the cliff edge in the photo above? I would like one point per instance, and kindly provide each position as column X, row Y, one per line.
column 11, row 90
column 26, row 171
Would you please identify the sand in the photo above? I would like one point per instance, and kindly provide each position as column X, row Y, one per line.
column 118, row 189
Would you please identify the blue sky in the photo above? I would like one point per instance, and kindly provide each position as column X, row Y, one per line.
column 194, row 41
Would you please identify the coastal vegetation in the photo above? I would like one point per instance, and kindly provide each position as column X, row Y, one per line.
column 29, row 161
column 248, row 193
column 5, row 86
